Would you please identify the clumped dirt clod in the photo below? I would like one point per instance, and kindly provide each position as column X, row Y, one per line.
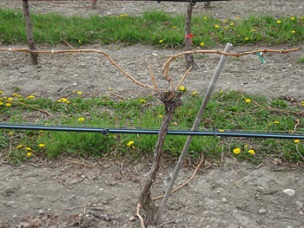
column 77, row 193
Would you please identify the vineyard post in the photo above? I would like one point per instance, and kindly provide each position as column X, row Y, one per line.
column 29, row 31
column 207, row 4
column 188, row 36
column 94, row 4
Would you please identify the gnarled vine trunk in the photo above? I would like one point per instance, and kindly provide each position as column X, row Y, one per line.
column 171, row 100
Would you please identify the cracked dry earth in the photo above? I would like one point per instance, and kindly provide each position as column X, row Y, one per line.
column 104, row 193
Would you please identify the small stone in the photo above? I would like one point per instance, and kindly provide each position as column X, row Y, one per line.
column 15, row 216
column 262, row 211
column 41, row 212
column 132, row 219
column 224, row 200
column 277, row 161
column 289, row 192
column 10, row 203
column 299, row 204
column 260, row 189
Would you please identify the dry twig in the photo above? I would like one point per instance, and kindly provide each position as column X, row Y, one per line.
column 139, row 216
column 296, row 125
column 187, row 181
column 33, row 107
column 153, row 77
column 184, row 77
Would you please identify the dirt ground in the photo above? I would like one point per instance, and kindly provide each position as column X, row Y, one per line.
column 78, row 193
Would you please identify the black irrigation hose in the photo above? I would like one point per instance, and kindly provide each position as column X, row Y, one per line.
column 106, row 131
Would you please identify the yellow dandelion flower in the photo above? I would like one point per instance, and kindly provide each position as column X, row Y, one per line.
column 248, row 100
column 79, row 41
column 253, row 30
column 28, row 154
column 123, row 15
column 246, row 38
column 293, row 32
column 160, row 41
column 174, row 27
column 236, row 151
column 80, row 119
column 205, row 18
column 252, row 152
column 279, row 22
column 10, row 133
column 302, row 102
column 181, row 88
column 221, row 130
column 30, row 97
column 28, row 149
column 276, row 122
column 79, row 93
column 143, row 101
column 19, row 146
column 237, row 18
column 1, row 92
column 202, row 44
column 130, row 144
column 8, row 105
column 216, row 26
column 9, row 99
column 232, row 24
column 160, row 116
column 296, row 141
column 1, row 103
column 63, row 100
column 292, row 18
column 41, row 145
column 246, row 146
column 195, row 94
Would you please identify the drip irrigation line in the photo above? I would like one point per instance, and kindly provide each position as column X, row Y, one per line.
column 105, row 131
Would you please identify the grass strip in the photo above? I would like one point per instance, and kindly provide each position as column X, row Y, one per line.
column 227, row 110
column 152, row 28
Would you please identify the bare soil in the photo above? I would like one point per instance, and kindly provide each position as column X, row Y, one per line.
column 91, row 193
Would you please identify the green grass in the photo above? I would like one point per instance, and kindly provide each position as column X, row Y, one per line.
column 301, row 60
column 226, row 110
column 152, row 28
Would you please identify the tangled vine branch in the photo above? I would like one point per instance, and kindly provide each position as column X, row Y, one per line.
column 166, row 65
column 173, row 57
column 25, row 50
